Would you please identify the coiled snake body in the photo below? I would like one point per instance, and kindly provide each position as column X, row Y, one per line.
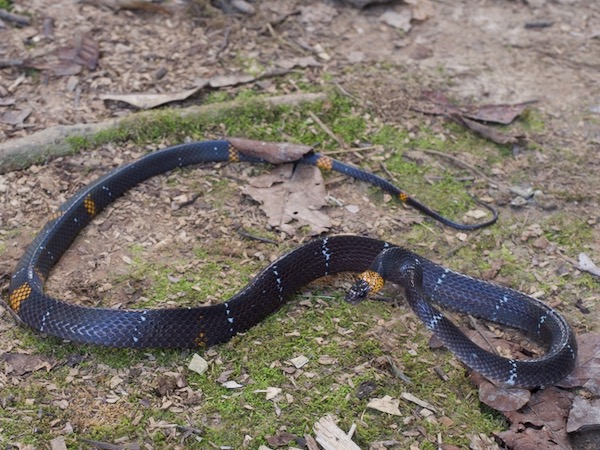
column 423, row 280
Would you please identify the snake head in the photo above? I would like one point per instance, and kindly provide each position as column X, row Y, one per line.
column 368, row 281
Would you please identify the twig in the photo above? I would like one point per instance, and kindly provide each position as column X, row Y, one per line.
column 355, row 149
column 256, row 238
column 188, row 202
column 225, row 42
column 327, row 130
column 462, row 163
column 397, row 372
column 479, row 330
column 11, row 63
column 344, row 91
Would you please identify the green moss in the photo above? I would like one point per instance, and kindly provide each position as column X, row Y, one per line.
column 532, row 120
column 571, row 233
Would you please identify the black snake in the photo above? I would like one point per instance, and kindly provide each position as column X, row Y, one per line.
column 423, row 281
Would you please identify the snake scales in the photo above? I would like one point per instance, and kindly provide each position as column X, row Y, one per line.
column 424, row 281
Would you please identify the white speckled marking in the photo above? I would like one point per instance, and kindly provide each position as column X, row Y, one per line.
column 433, row 323
column 327, row 254
column 43, row 324
column 512, row 373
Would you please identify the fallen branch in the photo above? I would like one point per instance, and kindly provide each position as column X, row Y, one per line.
column 17, row 154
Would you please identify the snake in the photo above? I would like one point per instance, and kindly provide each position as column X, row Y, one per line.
column 425, row 282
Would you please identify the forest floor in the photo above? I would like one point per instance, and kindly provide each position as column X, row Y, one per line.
column 387, row 72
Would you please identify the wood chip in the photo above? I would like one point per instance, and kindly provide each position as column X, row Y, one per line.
column 331, row 437
column 411, row 398
column 198, row 364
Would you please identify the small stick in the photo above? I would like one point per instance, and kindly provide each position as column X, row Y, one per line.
column 480, row 331
column 354, row 149
column 256, row 238
column 461, row 163
column 225, row 42
column 327, row 130
column 397, row 372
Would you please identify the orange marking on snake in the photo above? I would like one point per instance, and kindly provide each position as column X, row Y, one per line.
column 234, row 154
column 18, row 296
column 373, row 279
column 90, row 206
column 325, row 163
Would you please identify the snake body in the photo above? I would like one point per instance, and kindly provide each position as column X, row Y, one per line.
column 211, row 325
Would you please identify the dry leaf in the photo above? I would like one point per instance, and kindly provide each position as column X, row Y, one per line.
column 271, row 392
column 588, row 362
column 273, row 152
column 584, row 413
column 58, row 443
column 148, row 100
column 229, row 80
column 422, row 403
column 281, row 439
column 541, row 423
column 303, row 62
column 486, row 131
column 69, row 60
column 586, row 264
column 20, row 363
column 400, row 20
column 502, row 113
column 288, row 196
column 299, row 361
column 15, row 118
column 386, row 404
column 500, row 398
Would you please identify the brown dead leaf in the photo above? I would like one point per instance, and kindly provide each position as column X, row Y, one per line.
column 503, row 114
column 288, row 195
column 500, row 398
column 386, row 404
column 273, row 152
column 588, row 362
column 150, row 100
column 486, row 131
column 220, row 81
column 541, row 423
column 281, row 439
column 492, row 272
column 586, row 264
column 20, row 363
column 584, row 413
column 400, row 20
column 302, row 62
column 82, row 52
column 469, row 116
column 15, row 117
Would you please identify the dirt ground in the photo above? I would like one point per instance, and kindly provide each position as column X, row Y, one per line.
column 481, row 51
